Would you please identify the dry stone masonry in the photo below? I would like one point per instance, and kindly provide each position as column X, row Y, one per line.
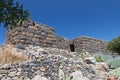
column 51, row 57
column 87, row 44
column 32, row 33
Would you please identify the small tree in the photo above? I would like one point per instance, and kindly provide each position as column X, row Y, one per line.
column 12, row 14
column 114, row 45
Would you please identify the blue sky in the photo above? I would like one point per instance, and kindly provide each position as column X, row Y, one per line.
column 73, row 18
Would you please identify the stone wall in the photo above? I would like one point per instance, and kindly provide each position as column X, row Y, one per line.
column 32, row 33
column 87, row 44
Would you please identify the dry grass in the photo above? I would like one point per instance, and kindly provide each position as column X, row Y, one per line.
column 8, row 55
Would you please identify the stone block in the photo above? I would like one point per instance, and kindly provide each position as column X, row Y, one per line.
column 37, row 36
column 35, row 39
column 33, row 27
column 29, row 34
column 49, row 39
column 3, row 71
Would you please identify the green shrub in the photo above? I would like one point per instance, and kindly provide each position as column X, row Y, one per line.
column 115, row 72
column 114, row 63
column 67, row 77
column 114, row 45
column 100, row 57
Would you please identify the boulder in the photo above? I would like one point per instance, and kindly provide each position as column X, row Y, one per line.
column 38, row 77
column 77, row 75
column 12, row 74
column 111, row 78
column 90, row 60
column 61, row 74
column 102, row 66
column 86, row 78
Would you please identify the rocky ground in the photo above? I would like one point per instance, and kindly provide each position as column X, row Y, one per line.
column 53, row 64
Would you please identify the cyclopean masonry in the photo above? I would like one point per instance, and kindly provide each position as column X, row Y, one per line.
column 32, row 33
column 36, row 34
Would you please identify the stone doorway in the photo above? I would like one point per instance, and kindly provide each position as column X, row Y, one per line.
column 72, row 47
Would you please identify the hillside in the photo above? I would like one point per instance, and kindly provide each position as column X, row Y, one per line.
column 51, row 64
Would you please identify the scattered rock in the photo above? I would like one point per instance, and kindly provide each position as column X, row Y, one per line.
column 77, row 75
column 111, row 78
column 42, row 69
column 12, row 74
column 90, row 60
column 3, row 71
column 61, row 74
column 38, row 77
column 51, row 64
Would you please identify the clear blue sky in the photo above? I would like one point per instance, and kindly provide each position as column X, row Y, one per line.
column 72, row 18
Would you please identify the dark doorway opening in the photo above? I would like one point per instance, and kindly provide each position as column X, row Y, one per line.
column 72, row 47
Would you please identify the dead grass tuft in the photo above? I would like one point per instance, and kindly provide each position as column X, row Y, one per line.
column 9, row 55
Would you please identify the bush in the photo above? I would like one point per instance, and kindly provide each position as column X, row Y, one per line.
column 114, row 45
column 115, row 72
column 114, row 63
column 100, row 57
column 67, row 77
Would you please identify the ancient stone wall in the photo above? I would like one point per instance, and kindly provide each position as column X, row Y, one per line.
column 32, row 33
column 87, row 44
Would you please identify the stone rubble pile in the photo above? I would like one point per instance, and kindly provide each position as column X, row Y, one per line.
column 47, row 64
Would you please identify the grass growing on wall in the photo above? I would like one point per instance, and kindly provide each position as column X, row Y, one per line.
column 8, row 55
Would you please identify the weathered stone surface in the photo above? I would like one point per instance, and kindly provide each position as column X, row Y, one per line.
column 3, row 71
column 42, row 69
column 26, row 78
column 90, row 60
column 12, row 74
column 111, row 78
column 38, row 77
column 102, row 66
column 77, row 75
column 40, row 35
column 50, row 63
column 33, row 27
column 86, row 78
column 88, row 44
column 17, row 78
column 32, row 33
column 61, row 74
column 18, row 74
column 1, row 76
